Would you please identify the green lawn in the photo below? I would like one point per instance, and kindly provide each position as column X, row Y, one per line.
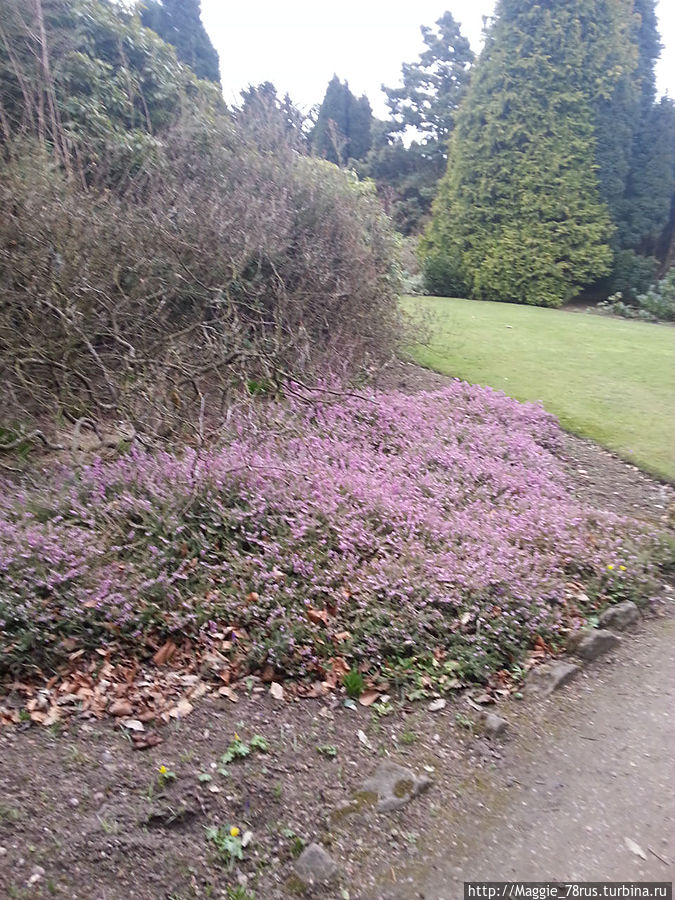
column 611, row 380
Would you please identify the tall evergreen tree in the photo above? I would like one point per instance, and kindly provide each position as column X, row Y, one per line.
column 651, row 181
column 433, row 88
column 179, row 23
column 343, row 127
column 520, row 215
column 427, row 100
column 648, row 187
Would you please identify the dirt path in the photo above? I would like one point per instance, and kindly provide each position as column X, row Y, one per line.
column 594, row 766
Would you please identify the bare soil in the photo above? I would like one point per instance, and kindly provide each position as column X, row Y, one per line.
column 82, row 813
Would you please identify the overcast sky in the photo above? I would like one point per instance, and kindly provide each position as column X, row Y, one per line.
column 299, row 44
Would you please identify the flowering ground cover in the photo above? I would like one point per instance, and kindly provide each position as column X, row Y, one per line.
column 425, row 539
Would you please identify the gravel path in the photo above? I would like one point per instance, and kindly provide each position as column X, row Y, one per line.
column 593, row 767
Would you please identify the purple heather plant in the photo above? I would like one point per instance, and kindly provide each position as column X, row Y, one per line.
column 441, row 520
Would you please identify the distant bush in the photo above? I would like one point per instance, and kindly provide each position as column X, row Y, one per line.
column 656, row 305
column 659, row 300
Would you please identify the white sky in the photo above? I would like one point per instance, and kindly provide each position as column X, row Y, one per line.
column 299, row 44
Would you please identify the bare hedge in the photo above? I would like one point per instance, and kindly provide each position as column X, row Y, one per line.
column 150, row 287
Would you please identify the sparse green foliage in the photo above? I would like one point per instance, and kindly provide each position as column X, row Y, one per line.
column 238, row 749
column 328, row 750
column 259, row 743
column 353, row 683
column 227, row 843
column 408, row 737
column 239, row 893
column 297, row 843
column 464, row 721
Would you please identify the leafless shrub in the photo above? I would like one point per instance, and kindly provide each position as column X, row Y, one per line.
column 218, row 267
column 160, row 259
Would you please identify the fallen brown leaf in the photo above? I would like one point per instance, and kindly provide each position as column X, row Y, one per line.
column 164, row 654
column 317, row 615
column 181, row 709
column 144, row 741
column 229, row 693
column 367, row 698
column 120, row 708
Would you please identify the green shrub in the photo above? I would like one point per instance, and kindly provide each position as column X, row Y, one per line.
column 631, row 274
column 656, row 305
column 659, row 300
column 442, row 276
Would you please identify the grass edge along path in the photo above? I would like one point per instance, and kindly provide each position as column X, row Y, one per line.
column 607, row 379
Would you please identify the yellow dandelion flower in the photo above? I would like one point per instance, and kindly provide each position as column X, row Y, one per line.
column 163, row 770
column 623, row 568
column 236, row 737
column 234, row 831
column 610, row 567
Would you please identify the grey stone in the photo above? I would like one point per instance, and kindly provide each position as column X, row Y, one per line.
column 315, row 865
column 392, row 786
column 493, row 725
column 594, row 643
column 546, row 679
column 170, row 815
column 621, row 616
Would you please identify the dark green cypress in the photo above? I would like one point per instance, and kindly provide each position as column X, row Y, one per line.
column 343, row 127
column 179, row 23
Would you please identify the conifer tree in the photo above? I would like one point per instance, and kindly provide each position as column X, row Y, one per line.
column 433, row 88
column 343, row 127
column 179, row 23
column 427, row 100
column 520, row 215
column 648, row 188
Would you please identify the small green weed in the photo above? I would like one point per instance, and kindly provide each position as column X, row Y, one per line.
column 297, row 843
column 353, row 683
column 164, row 776
column 408, row 737
column 383, row 708
column 227, row 843
column 464, row 721
column 9, row 814
column 239, row 893
column 329, row 750
column 239, row 749
column 259, row 743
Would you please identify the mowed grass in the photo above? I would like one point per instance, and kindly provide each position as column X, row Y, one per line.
column 611, row 380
